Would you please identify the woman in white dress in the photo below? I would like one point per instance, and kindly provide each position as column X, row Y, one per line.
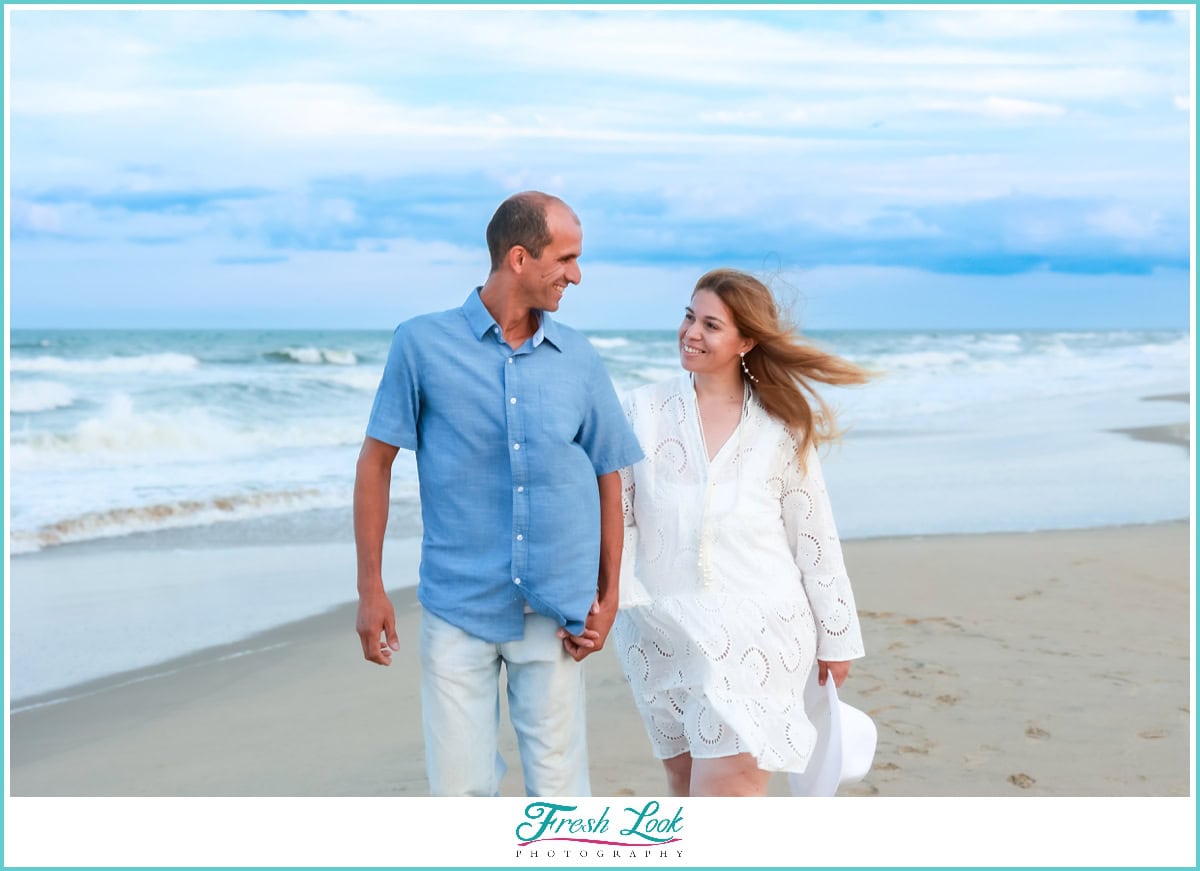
column 732, row 583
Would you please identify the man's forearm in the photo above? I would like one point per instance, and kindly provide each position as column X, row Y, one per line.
column 612, row 538
column 372, row 486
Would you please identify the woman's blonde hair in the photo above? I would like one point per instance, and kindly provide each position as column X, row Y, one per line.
column 784, row 366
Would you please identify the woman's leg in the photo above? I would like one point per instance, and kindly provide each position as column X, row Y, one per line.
column 679, row 774
column 729, row 776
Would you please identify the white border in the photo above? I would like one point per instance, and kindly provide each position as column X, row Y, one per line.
column 718, row 832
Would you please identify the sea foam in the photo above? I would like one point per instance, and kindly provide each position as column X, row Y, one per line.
column 29, row 397
column 148, row 363
column 188, row 512
column 123, row 435
column 313, row 356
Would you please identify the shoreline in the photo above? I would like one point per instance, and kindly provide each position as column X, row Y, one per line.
column 1061, row 667
column 332, row 524
column 403, row 550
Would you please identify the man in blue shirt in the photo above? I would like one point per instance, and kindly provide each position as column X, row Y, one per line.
column 519, row 439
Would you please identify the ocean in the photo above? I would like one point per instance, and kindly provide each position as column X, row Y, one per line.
column 124, row 440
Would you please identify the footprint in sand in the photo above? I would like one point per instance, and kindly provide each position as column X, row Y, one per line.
column 948, row 699
column 624, row 790
column 1151, row 734
column 1035, row 732
column 1022, row 780
column 1030, row 595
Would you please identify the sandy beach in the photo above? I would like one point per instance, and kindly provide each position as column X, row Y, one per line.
column 1039, row 664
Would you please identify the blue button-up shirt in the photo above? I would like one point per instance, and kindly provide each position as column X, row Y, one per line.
column 509, row 445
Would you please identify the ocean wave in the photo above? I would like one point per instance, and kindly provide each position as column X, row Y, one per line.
column 366, row 380
column 922, row 360
column 606, row 342
column 313, row 356
column 121, row 435
column 1002, row 342
column 28, row 397
column 116, row 522
column 149, row 363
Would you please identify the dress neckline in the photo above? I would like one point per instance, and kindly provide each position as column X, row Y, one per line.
column 735, row 434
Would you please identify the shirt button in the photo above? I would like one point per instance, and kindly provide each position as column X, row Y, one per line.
column 512, row 401
column 516, row 580
column 510, row 359
column 520, row 537
column 520, row 489
column 516, row 447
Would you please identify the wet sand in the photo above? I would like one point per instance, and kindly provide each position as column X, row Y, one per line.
column 1039, row 664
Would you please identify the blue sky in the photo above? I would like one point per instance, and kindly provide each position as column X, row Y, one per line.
column 973, row 167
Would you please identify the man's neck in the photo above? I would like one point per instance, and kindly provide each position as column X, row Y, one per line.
column 517, row 322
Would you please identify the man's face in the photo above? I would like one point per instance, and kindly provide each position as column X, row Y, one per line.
column 546, row 277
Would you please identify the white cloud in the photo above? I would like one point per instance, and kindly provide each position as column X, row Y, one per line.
column 35, row 217
column 51, row 99
column 1122, row 223
column 1007, row 107
column 1019, row 22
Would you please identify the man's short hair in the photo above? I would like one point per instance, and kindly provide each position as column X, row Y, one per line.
column 520, row 220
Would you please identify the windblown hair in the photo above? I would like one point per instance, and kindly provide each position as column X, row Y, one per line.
column 520, row 220
column 785, row 365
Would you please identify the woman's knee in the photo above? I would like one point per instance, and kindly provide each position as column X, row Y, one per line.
column 729, row 776
column 679, row 774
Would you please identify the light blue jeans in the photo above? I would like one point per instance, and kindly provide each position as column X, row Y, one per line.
column 460, row 710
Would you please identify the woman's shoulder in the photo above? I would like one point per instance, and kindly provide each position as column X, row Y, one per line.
column 645, row 406
column 660, row 391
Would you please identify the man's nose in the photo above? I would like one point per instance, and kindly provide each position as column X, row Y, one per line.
column 574, row 274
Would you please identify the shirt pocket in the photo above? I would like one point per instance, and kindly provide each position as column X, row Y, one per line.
column 562, row 403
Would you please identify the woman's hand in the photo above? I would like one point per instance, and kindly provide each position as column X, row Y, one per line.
column 839, row 670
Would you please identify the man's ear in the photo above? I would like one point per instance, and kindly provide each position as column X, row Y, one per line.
column 516, row 258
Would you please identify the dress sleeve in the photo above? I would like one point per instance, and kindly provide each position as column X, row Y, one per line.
column 633, row 592
column 812, row 535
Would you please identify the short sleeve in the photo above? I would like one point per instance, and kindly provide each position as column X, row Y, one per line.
column 397, row 404
column 813, row 538
column 606, row 435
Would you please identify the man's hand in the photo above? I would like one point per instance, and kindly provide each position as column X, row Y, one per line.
column 376, row 627
column 595, row 632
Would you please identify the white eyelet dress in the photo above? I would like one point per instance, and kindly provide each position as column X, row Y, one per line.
column 732, row 583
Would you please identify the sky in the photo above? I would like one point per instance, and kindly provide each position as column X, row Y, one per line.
column 973, row 168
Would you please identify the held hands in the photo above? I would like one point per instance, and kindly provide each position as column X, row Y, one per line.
column 595, row 631
column 376, row 626
column 839, row 670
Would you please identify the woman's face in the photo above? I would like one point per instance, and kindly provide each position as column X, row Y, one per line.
column 709, row 342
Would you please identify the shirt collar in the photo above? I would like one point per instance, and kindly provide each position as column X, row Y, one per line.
column 481, row 322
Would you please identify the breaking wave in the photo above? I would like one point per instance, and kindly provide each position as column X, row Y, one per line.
column 313, row 356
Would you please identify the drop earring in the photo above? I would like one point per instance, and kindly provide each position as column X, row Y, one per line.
column 746, row 369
